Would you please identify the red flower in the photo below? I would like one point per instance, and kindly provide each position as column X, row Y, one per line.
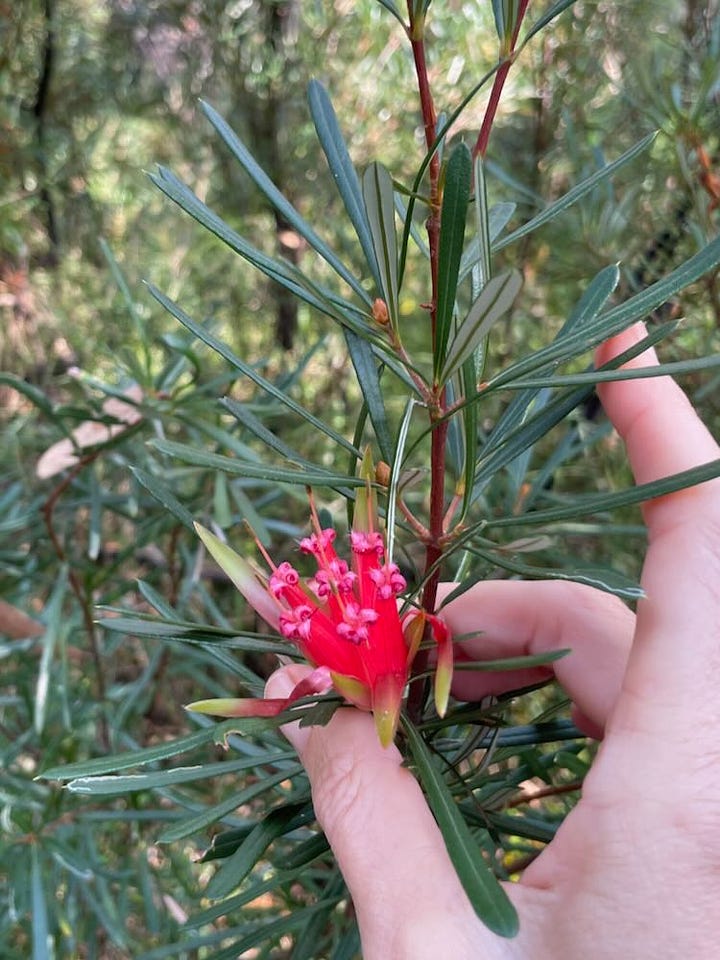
column 344, row 620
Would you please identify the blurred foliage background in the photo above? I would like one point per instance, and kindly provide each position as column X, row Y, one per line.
column 91, row 97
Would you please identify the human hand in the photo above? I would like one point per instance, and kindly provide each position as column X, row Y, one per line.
column 634, row 871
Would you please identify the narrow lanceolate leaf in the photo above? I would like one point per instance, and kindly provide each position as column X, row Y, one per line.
column 470, row 433
column 163, row 751
column 131, row 783
column 452, row 236
column 56, row 626
column 219, row 810
column 378, row 195
column 594, row 298
column 495, row 300
column 342, row 169
column 482, row 222
column 36, row 397
column 577, row 193
column 276, row 824
column 583, row 506
column 202, row 333
column 242, row 468
column 276, row 198
column 602, row 578
column 613, row 321
column 487, row 897
column 555, row 10
column 163, row 494
column 40, row 932
column 368, row 377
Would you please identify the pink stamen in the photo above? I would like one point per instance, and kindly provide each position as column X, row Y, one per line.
column 296, row 624
column 318, row 543
column 388, row 580
column 283, row 577
column 355, row 622
column 336, row 578
column 370, row 542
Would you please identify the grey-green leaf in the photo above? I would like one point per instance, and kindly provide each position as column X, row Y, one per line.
column 495, row 300
column 378, row 194
column 342, row 169
column 487, row 897
column 163, row 494
column 276, row 198
column 452, row 236
column 275, row 824
column 577, row 193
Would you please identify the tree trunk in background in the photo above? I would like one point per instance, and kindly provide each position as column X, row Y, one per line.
column 40, row 113
column 267, row 128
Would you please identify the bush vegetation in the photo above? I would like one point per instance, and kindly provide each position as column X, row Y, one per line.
column 131, row 828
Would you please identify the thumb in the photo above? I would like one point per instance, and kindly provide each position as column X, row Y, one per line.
column 407, row 897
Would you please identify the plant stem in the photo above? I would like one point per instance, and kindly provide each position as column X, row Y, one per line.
column 78, row 588
column 481, row 144
column 433, row 550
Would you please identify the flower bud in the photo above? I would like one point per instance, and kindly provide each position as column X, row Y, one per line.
column 380, row 312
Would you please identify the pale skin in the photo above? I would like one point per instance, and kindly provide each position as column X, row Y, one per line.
column 634, row 872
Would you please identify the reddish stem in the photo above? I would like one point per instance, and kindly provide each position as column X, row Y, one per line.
column 499, row 82
column 433, row 551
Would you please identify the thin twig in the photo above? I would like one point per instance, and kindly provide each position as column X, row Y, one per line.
column 77, row 586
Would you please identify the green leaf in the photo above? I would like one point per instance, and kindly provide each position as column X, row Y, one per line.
column 163, row 751
column 304, row 853
column 675, row 368
column 162, row 494
column 555, row 10
column 131, row 783
column 36, row 397
column 397, row 462
column 495, row 300
column 513, row 663
column 616, row 319
column 391, row 8
column 252, row 934
column 241, row 468
column 520, row 427
column 286, row 274
column 583, row 506
column 378, row 196
column 452, row 235
column 244, row 415
column 487, row 897
column 577, row 193
column 470, row 432
column 278, row 201
column 601, row 578
column 248, row 370
column 54, row 631
column 200, row 821
column 139, row 326
column 482, row 223
column 369, row 381
column 275, row 824
column 342, row 169
column 40, row 933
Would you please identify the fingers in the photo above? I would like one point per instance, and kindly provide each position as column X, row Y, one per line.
column 385, row 840
column 662, row 432
column 519, row 618
column 675, row 661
